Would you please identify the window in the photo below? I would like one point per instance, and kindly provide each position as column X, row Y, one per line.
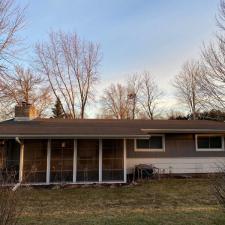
column 209, row 142
column 153, row 143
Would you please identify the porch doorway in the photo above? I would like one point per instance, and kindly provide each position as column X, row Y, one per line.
column 61, row 160
column 87, row 160
column 112, row 160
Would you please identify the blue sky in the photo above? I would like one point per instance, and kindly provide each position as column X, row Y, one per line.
column 134, row 35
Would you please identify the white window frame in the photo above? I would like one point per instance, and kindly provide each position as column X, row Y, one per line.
column 150, row 149
column 209, row 149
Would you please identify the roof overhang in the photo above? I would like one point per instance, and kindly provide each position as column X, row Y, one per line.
column 59, row 136
column 175, row 131
column 146, row 134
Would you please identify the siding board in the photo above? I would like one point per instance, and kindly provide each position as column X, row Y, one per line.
column 176, row 145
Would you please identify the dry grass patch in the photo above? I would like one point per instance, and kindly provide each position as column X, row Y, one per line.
column 165, row 202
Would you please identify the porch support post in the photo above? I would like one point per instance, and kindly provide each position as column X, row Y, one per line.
column 21, row 162
column 48, row 162
column 75, row 161
column 125, row 159
column 100, row 160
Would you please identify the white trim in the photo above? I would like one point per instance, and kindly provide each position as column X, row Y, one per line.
column 21, row 162
column 70, row 183
column 71, row 136
column 103, row 182
column 67, row 183
column 209, row 149
column 125, row 159
column 150, row 149
column 48, row 161
column 23, row 118
column 75, row 161
column 182, row 130
column 100, row 161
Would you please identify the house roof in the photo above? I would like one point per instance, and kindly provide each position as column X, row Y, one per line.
column 104, row 128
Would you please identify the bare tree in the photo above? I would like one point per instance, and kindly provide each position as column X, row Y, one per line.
column 149, row 96
column 139, row 98
column 213, row 84
column 188, row 88
column 13, row 198
column 11, row 22
column 213, row 81
column 115, row 102
column 10, row 201
column 24, row 85
column 71, row 67
column 134, row 85
column 220, row 19
column 218, row 185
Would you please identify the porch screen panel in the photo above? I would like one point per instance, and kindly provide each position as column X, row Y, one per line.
column 11, row 161
column 35, row 161
column 87, row 160
column 3, row 168
column 112, row 160
column 2, row 155
column 62, row 160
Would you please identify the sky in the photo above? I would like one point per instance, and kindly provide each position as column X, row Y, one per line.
column 134, row 35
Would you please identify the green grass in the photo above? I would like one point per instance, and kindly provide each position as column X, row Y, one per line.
column 169, row 201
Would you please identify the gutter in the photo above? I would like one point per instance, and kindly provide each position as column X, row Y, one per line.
column 145, row 134
column 38, row 136
column 182, row 131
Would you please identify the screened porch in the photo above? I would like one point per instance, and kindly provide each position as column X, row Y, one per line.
column 49, row 161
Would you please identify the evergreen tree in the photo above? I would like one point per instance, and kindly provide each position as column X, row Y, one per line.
column 58, row 110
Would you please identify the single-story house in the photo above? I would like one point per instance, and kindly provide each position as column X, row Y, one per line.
column 48, row 151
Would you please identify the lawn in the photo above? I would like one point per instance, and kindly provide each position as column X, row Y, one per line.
column 168, row 201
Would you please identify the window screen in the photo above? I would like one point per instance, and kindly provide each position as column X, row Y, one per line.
column 154, row 142
column 210, row 142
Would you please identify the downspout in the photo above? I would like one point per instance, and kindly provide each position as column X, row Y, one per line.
column 18, row 140
column 20, row 181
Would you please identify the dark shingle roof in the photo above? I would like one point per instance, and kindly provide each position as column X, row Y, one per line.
column 102, row 127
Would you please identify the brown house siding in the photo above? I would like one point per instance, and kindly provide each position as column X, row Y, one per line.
column 176, row 145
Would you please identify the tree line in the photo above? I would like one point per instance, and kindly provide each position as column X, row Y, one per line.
column 62, row 78
column 200, row 85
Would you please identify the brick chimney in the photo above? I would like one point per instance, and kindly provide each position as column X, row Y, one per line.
column 25, row 112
